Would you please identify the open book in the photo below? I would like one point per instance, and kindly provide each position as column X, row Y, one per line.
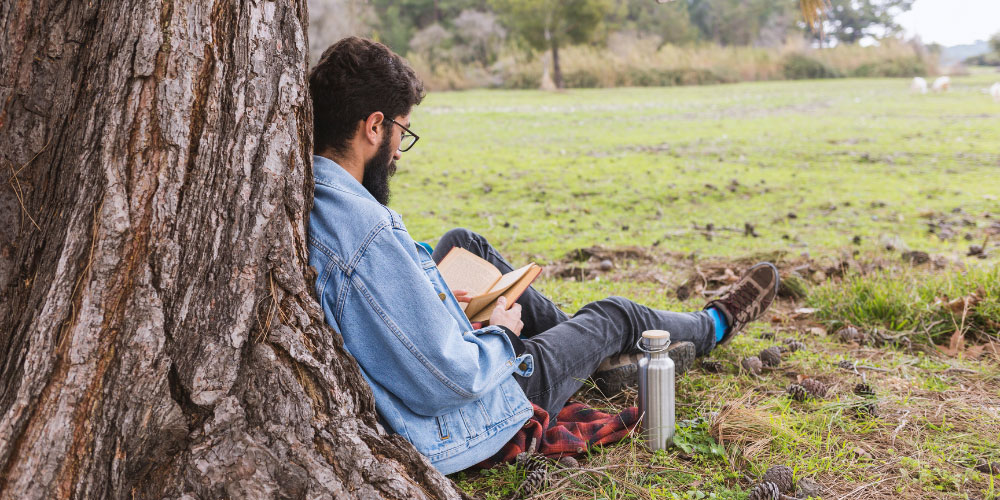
column 464, row 270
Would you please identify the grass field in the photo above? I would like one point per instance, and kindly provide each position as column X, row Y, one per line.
column 844, row 182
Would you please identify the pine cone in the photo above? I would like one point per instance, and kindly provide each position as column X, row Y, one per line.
column 797, row 392
column 711, row 366
column 866, row 409
column 989, row 467
column 850, row 334
column 781, row 476
column 568, row 462
column 864, row 390
column 536, row 476
column 764, row 491
column 845, row 365
column 814, row 387
column 752, row 365
column 794, row 345
column 771, row 356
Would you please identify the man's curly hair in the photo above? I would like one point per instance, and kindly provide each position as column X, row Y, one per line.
column 353, row 79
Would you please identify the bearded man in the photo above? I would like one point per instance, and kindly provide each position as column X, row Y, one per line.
column 457, row 393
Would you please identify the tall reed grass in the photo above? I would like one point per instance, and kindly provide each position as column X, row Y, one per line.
column 642, row 62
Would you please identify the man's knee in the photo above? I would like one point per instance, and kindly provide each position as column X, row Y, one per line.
column 458, row 237
column 612, row 305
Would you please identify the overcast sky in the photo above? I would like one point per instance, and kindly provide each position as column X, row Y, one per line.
column 952, row 22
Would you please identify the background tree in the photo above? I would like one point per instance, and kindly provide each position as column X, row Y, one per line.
column 479, row 36
column 849, row 21
column 433, row 42
column 331, row 20
column 670, row 22
column 396, row 21
column 158, row 332
column 549, row 24
column 737, row 22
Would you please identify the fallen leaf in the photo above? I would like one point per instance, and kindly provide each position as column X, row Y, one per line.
column 975, row 351
column 955, row 343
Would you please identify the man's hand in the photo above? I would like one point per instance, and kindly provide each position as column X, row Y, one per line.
column 511, row 318
column 461, row 295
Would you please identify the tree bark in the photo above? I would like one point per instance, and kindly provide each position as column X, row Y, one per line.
column 159, row 337
column 556, row 70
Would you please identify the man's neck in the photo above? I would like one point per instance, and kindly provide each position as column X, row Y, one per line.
column 353, row 166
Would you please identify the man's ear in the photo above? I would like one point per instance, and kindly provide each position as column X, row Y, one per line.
column 371, row 127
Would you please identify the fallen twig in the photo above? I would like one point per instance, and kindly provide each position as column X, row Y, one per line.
column 900, row 426
column 863, row 486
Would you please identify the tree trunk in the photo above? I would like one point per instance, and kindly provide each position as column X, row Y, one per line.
column 159, row 337
column 556, row 70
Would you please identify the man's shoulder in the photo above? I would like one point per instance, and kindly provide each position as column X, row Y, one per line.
column 343, row 222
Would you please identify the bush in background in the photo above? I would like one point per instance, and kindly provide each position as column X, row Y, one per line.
column 892, row 68
column 797, row 66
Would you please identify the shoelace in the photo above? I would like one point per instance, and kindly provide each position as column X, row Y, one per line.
column 742, row 297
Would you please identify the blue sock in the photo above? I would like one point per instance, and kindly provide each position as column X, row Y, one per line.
column 720, row 323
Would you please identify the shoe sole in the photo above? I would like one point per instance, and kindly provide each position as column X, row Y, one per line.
column 613, row 381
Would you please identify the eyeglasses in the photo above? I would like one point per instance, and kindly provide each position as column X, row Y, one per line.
column 408, row 139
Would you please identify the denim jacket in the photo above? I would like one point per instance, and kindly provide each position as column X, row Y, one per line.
column 445, row 387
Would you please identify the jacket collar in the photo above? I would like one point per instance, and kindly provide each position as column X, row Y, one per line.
column 329, row 173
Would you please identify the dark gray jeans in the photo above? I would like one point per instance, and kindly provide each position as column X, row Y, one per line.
column 567, row 350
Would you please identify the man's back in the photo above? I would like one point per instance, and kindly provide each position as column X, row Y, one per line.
column 445, row 387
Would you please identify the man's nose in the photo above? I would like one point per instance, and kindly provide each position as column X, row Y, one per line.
column 397, row 155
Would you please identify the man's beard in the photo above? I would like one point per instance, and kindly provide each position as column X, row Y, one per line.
column 378, row 170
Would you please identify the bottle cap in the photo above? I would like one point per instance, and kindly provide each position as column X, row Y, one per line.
column 653, row 341
column 656, row 335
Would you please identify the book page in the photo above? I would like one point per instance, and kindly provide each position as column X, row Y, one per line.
column 514, row 292
column 510, row 278
column 464, row 270
column 511, row 286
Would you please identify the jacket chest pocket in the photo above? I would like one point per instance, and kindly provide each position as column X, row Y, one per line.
column 430, row 269
column 441, row 287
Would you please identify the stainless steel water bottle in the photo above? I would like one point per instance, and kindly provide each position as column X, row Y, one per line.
column 656, row 389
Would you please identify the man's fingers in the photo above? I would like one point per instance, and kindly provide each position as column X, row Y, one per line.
column 502, row 302
column 461, row 295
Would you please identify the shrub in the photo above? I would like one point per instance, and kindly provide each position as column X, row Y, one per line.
column 892, row 68
column 581, row 79
column 800, row 67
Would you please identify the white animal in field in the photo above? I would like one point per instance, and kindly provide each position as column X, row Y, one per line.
column 918, row 85
column 995, row 91
column 941, row 84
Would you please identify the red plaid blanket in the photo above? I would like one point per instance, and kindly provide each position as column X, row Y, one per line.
column 577, row 429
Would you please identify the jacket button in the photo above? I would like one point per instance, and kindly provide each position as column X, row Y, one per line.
column 522, row 366
column 442, row 295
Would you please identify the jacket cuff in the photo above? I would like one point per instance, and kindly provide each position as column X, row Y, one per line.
column 514, row 340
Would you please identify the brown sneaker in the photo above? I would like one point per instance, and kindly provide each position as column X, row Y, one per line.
column 617, row 372
column 748, row 298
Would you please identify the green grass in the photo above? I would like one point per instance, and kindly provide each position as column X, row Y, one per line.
column 541, row 174
column 908, row 300
column 544, row 173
